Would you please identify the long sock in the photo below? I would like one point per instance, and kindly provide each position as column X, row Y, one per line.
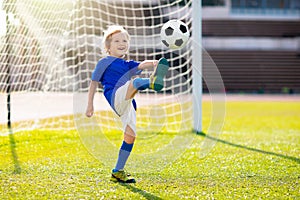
column 141, row 83
column 123, row 156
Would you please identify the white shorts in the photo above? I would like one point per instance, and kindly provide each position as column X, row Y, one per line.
column 125, row 108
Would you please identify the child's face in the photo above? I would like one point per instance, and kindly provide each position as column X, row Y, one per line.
column 119, row 45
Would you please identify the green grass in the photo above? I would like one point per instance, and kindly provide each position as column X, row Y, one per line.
column 256, row 157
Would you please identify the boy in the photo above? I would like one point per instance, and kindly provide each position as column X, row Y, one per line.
column 115, row 74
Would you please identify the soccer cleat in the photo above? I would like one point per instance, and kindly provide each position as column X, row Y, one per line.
column 122, row 177
column 157, row 77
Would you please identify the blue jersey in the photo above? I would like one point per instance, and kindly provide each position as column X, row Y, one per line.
column 114, row 72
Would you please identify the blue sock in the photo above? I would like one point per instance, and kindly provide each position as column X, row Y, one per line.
column 141, row 83
column 123, row 156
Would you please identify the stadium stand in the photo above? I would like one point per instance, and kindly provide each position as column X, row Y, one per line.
column 247, row 70
column 260, row 28
column 259, row 71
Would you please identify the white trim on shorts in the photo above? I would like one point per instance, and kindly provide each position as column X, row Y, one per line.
column 125, row 108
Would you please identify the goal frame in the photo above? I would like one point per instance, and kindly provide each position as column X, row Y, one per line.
column 197, row 65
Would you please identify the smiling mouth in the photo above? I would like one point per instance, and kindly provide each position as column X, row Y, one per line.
column 122, row 48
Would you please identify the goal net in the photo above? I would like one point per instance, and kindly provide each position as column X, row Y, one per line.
column 48, row 50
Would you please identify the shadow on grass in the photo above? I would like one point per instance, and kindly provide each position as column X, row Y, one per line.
column 14, row 154
column 249, row 148
column 143, row 193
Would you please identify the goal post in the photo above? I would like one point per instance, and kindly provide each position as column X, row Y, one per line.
column 55, row 45
column 197, row 65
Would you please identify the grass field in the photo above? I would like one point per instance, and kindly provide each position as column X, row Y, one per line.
column 256, row 157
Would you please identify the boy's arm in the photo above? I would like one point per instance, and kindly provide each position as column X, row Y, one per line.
column 90, row 107
column 148, row 64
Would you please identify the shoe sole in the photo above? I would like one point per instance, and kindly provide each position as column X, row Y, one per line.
column 116, row 180
column 159, row 74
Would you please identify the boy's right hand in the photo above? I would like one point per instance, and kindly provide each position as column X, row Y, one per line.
column 89, row 111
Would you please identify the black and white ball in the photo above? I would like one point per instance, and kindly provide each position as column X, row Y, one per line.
column 174, row 34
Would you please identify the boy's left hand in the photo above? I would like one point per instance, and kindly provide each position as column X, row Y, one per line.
column 155, row 63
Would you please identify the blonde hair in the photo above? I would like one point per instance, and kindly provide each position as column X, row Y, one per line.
column 113, row 29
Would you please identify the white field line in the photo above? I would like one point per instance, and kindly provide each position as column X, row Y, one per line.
column 40, row 105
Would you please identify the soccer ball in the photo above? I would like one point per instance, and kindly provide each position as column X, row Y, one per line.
column 174, row 34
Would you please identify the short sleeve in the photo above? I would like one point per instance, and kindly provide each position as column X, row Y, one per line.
column 100, row 68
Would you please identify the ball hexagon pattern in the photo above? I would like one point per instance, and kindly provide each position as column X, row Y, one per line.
column 174, row 34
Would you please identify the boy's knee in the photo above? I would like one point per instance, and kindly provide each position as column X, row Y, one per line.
column 129, row 135
column 129, row 139
column 131, row 91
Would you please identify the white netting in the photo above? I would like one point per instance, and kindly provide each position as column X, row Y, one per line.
column 48, row 50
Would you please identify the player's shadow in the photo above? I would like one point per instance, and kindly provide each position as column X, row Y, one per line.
column 295, row 159
column 143, row 193
column 12, row 142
